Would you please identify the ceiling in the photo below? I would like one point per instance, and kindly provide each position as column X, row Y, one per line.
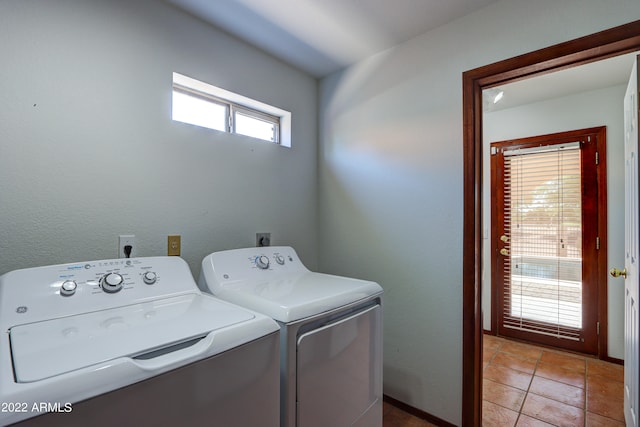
column 323, row 36
column 596, row 75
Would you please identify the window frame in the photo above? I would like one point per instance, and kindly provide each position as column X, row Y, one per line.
column 235, row 103
column 205, row 97
column 257, row 115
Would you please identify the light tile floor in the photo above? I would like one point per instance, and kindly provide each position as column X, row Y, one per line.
column 525, row 385
column 529, row 386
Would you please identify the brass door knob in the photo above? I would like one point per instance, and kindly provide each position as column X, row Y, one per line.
column 504, row 252
column 614, row 272
column 504, row 238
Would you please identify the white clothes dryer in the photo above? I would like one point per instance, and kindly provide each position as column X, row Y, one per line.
column 131, row 342
column 330, row 330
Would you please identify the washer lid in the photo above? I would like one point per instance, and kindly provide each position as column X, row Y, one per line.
column 294, row 296
column 53, row 347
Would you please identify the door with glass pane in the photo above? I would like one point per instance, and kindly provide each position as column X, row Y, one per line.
column 549, row 238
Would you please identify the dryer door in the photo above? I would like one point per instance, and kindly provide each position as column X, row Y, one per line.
column 339, row 379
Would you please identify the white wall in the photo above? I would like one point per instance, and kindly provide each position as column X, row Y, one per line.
column 391, row 168
column 88, row 149
column 603, row 107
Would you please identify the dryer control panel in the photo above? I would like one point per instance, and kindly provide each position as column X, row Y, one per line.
column 49, row 292
column 253, row 263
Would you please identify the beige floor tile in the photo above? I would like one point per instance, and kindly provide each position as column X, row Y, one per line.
column 497, row 416
column 605, row 387
column 605, row 406
column 567, row 361
column 574, row 396
column 527, row 421
column 522, row 350
column 605, row 369
column 552, row 411
column 518, row 363
column 595, row 420
column 558, row 373
column 508, row 376
column 503, row 395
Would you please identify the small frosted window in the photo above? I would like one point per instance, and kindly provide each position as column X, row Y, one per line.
column 201, row 104
column 199, row 111
column 255, row 127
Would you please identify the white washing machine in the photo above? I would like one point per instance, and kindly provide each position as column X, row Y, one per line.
column 131, row 342
column 330, row 331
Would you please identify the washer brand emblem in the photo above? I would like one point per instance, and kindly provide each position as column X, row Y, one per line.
column 21, row 310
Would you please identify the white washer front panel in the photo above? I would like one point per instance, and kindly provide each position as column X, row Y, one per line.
column 49, row 348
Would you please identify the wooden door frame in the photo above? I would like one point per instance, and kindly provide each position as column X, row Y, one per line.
column 605, row 44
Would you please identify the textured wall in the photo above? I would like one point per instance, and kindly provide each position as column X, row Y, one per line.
column 391, row 168
column 88, row 149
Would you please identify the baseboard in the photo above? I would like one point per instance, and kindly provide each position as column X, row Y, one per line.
column 613, row 360
column 417, row 412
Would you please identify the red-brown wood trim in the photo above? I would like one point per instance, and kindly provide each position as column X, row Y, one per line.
column 603, row 275
column 613, row 360
column 472, row 257
column 595, row 47
column 496, row 195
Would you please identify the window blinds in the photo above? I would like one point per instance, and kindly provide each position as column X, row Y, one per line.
column 543, row 240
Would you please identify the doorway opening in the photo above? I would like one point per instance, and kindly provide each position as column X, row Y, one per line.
column 602, row 45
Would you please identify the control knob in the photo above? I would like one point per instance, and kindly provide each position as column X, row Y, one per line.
column 149, row 277
column 280, row 259
column 262, row 262
column 68, row 288
column 112, row 283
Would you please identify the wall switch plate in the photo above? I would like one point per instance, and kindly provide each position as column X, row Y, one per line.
column 263, row 239
column 173, row 245
column 126, row 240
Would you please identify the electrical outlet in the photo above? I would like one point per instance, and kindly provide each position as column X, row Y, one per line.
column 173, row 245
column 126, row 240
column 263, row 239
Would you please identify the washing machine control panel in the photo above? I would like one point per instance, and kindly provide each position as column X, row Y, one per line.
column 62, row 290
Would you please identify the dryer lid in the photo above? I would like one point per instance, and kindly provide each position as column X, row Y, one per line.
column 45, row 349
column 293, row 296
